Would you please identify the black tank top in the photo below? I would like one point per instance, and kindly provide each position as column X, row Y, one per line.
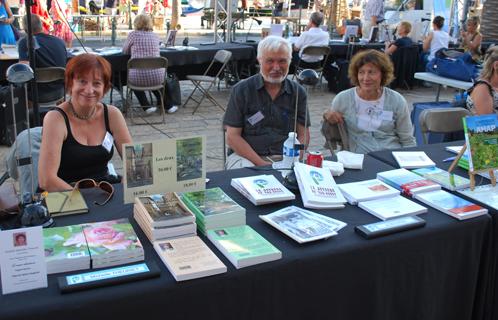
column 79, row 161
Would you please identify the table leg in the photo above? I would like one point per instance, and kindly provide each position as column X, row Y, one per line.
column 438, row 92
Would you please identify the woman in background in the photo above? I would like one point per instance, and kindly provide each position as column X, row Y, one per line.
column 483, row 98
column 436, row 40
column 142, row 43
column 61, row 14
column 471, row 39
column 6, row 19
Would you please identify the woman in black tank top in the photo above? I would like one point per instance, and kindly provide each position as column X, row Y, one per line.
column 79, row 136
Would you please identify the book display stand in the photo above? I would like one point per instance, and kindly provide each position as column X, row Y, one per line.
column 472, row 173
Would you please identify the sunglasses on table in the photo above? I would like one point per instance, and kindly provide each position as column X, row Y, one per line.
column 90, row 183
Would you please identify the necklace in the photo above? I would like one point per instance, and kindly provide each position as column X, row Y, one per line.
column 79, row 116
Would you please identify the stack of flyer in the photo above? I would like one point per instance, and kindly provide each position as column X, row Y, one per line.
column 450, row 204
column 262, row 189
column 188, row 258
column 448, row 180
column 163, row 216
column 392, row 207
column 318, row 188
column 243, row 246
column 214, row 209
column 407, row 182
column 366, row 190
column 413, row 159
column 112, row 243
column 303, row 225
column 65, row 249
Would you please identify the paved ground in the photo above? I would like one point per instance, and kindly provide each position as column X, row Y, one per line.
column 207, row 120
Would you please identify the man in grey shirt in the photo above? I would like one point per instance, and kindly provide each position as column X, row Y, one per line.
column 261, row 109
column 372, row 16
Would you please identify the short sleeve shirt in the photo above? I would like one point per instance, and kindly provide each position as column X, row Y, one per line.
column 403, row 42
column 265, row 122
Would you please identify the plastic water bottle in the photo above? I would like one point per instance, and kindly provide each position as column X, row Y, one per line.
column 290, row 152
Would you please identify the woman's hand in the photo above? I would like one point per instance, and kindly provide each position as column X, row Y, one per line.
column 333, row 117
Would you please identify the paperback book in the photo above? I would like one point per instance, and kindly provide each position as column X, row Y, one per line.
column 188, row 258
column 366, row 190
column 163, row 210
column 486, row 194
column 451, row 204
column 407, row 182
column 262, row 189
column 394, row 207
column 481, row 137
column 303, row 225
column 318, row 188
column 159, row 233
column 448, row 180
column 243, row 246
column 65, row 203
column 412, row 159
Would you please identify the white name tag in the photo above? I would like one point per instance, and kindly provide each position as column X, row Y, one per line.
column 255, row 118
column 386, row 115
column 108, row 141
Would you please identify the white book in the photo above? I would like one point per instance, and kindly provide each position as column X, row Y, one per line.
column 393, row 207
column 243, row 246
column 413, row 159
column 366, row 190
column 454, row 149
column 262, row 189
column 451, row 204
column 318, row 188
column 303, row 225
column 188, row 258
column 486, row 194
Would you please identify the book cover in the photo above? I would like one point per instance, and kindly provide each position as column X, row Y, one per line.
column 406, row 181
column 481, row 136
column 486, row 194
column 188, row 258
column 393, row 207
column 367, row 190
column 451, row 204
column 63, row 246
column 412, row 159
column 262, row 189
column 449, row 181
column 65, row 203
column 243, row 246
column 165, row 210
column 211, row 203
column 303, row 225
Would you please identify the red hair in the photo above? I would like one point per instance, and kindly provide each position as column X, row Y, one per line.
column 85, row 63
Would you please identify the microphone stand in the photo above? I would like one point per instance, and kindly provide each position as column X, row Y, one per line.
column 250, row 27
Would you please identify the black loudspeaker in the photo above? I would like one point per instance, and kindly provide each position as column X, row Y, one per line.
column 7, row 133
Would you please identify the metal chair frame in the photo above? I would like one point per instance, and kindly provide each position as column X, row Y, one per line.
column 323, row 51
column 221, row 56
column 48, row 75
column 146, row 63
column 441, row 120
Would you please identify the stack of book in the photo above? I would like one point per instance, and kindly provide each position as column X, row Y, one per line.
column 65, row 249
column 188, row 258
column 243, row 246
column 407, row 182
column 366, row 190
column 444, row 178
column 318, row 188
column 262, row 189
column 303, row 225
column 214, row 209
column 451, row 204
column 163, row 216
column 112, row 243
column 413, row 159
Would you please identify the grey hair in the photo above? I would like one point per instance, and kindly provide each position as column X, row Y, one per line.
column 487, row 68
column 273, row 44
column 316, row 18
column 36, row 23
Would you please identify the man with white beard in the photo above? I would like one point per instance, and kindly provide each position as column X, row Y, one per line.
column 261, row 109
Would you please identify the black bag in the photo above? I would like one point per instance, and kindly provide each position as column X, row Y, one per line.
column 173, row 94
column 337, row 76
column 7, row 134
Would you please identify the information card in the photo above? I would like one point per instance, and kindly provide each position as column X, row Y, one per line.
column 22, row 260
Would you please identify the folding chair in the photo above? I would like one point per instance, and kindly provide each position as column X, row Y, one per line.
column 320, row 51
column 221, row 56
column 442, row 120
column 145, row 63
column 49, row 75
column 405, row 62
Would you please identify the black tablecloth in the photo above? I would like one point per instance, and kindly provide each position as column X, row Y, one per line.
column 428, row 273
column 438, row 153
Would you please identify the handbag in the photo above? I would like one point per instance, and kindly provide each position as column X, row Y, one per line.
column 173, row 94
column 462, row 68
column 9, row 202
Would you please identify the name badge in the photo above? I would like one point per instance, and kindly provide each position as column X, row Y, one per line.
column 108, row 141
column 255, row 118
column 386, row 115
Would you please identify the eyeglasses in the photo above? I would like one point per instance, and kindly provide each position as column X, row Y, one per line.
column 90, row 183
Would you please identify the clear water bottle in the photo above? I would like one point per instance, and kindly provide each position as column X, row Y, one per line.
column 290, row 152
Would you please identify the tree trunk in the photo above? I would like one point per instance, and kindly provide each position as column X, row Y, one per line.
column 175, row 13
column 489, row 21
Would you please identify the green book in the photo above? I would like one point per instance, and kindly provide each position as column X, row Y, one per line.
column 444, row 178
column 243, row 246
column 65, row 203
column 481, row 136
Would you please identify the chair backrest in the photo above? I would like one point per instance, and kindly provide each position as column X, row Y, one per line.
column 442, row 120
column 405, row 60
column 336, row 136
column 221, row 56
column 317, row 50
column 49, row 74
column 147, row 63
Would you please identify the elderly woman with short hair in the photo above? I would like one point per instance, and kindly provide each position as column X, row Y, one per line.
column 483, row 98
column 376, row 117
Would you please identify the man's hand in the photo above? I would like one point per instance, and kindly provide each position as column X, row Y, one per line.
column 333, row 117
